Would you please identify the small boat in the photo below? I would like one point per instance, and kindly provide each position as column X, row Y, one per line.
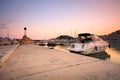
column 88, row 44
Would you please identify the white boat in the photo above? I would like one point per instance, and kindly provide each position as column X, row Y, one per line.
column 88, row 44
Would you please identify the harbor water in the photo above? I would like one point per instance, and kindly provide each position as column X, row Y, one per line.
column 114, row 55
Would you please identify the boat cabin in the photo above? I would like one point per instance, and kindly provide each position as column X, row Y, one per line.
column 85, row 37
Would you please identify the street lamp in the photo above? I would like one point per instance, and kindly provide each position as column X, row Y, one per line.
column 25, row 30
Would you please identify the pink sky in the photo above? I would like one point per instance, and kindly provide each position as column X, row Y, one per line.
column 48, row 19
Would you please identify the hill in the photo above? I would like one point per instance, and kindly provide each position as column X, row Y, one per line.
column 113, row 38
column 64, row 37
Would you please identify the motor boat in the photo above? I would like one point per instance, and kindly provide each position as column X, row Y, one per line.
column 88, row 44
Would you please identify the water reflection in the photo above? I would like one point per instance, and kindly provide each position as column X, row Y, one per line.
column 101, row 55
column 62, row 48
column 114, row 55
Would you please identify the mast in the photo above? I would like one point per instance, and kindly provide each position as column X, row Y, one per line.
column 8, row 33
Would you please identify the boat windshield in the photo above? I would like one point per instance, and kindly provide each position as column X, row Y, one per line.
column 85, row 38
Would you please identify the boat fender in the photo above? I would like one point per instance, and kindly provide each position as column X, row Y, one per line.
column 96, row 48
column 109, row 45
column 73, row 46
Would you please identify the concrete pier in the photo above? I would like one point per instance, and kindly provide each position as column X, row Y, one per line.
column 32, row 62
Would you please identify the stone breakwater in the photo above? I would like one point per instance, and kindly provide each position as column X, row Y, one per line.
column 6, row 52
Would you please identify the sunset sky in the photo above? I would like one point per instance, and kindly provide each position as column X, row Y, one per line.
column 46, row 19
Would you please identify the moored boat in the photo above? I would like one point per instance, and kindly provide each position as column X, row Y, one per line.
column 88, row 44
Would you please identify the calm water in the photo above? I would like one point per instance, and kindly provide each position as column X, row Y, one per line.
column 114, row 54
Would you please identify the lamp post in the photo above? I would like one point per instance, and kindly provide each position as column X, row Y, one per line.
column 25, row 31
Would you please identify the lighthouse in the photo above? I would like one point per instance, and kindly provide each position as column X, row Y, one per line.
column 25, row 39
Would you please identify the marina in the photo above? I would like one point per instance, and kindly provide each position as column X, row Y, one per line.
column 59, row 39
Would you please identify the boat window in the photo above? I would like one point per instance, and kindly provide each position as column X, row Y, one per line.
column 85, row 39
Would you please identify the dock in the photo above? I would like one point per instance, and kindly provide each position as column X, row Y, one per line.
column 33, row 62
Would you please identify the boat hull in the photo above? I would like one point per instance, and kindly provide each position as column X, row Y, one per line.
column 90, row 48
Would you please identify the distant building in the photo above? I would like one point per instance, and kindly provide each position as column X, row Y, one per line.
column 15, row 41
column 5, row 41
